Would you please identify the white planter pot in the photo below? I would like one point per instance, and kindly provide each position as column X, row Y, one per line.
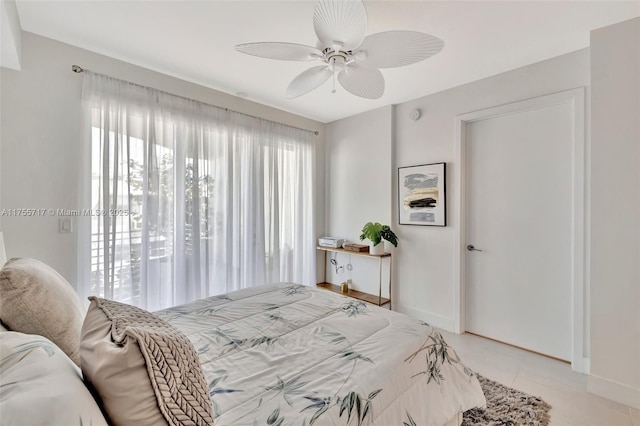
column 378, row 249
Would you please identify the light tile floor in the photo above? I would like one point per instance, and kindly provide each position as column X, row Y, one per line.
column 550, row 379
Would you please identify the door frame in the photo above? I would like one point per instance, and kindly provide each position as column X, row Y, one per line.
column 579, row 276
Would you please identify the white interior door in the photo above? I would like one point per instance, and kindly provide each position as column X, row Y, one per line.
column 518, row 186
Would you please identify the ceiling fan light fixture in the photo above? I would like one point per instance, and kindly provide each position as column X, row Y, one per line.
column 338, row 63
column 344, row 21
column 341, row 27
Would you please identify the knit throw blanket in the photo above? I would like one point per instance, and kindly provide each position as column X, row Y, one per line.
column 171, row 360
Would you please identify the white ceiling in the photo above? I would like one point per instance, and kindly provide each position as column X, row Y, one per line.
column 194, row 40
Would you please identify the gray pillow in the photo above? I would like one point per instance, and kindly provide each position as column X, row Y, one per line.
column 145, row 370
column 35, row 299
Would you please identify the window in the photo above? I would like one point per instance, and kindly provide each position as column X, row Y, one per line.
column 190, row 200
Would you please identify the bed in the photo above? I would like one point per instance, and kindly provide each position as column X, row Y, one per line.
column 290, row 354
column 275, row 355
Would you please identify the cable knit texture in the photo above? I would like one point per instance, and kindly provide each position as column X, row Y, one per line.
column 171, row 360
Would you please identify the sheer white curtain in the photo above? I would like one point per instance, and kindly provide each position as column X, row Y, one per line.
column 189, row 200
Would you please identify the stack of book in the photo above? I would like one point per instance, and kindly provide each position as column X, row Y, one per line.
column 356, row 247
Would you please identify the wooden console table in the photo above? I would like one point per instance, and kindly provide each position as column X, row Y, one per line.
column 369, row 298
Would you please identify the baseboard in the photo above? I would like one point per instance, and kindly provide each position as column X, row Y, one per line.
column 624, row 394
column 439, row 321
column 583, row 365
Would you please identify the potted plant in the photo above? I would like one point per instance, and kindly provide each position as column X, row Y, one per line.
column 375, row 233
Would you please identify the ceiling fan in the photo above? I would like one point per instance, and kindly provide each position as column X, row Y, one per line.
column 346, row 53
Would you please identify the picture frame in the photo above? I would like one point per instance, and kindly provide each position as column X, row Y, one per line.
column 422, row 198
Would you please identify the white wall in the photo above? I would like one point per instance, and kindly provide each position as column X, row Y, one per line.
column 615, row 212
column 10, row 52
column 40, row 134
column 425, row 261
column 358, row 185
column 424, row 266
column 10, row 34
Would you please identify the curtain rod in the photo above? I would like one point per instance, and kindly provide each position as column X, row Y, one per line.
column 78, row 69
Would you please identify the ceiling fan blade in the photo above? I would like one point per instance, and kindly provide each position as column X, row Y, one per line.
column 391, row 49
column 308, row 80
column 363, row 82
column 282, row 51
column 343, row 22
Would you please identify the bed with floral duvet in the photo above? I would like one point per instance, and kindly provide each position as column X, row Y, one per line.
column 293, row 355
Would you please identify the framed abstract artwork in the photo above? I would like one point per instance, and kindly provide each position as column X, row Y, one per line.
column 421, row 195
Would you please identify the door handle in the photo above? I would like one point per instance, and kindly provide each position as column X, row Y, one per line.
column 470, row 247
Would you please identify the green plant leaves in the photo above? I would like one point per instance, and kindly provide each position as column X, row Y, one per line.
column 371, row 231
column 376, row 232
column 389, row 235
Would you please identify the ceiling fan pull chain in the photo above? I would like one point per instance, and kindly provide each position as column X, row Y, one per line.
column 334, row 76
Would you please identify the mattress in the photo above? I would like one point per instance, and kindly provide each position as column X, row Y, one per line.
column 288, row 354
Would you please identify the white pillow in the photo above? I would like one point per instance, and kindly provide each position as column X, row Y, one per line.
column 41, row 386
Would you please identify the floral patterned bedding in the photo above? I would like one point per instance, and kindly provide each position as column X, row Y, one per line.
column 294, row 355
